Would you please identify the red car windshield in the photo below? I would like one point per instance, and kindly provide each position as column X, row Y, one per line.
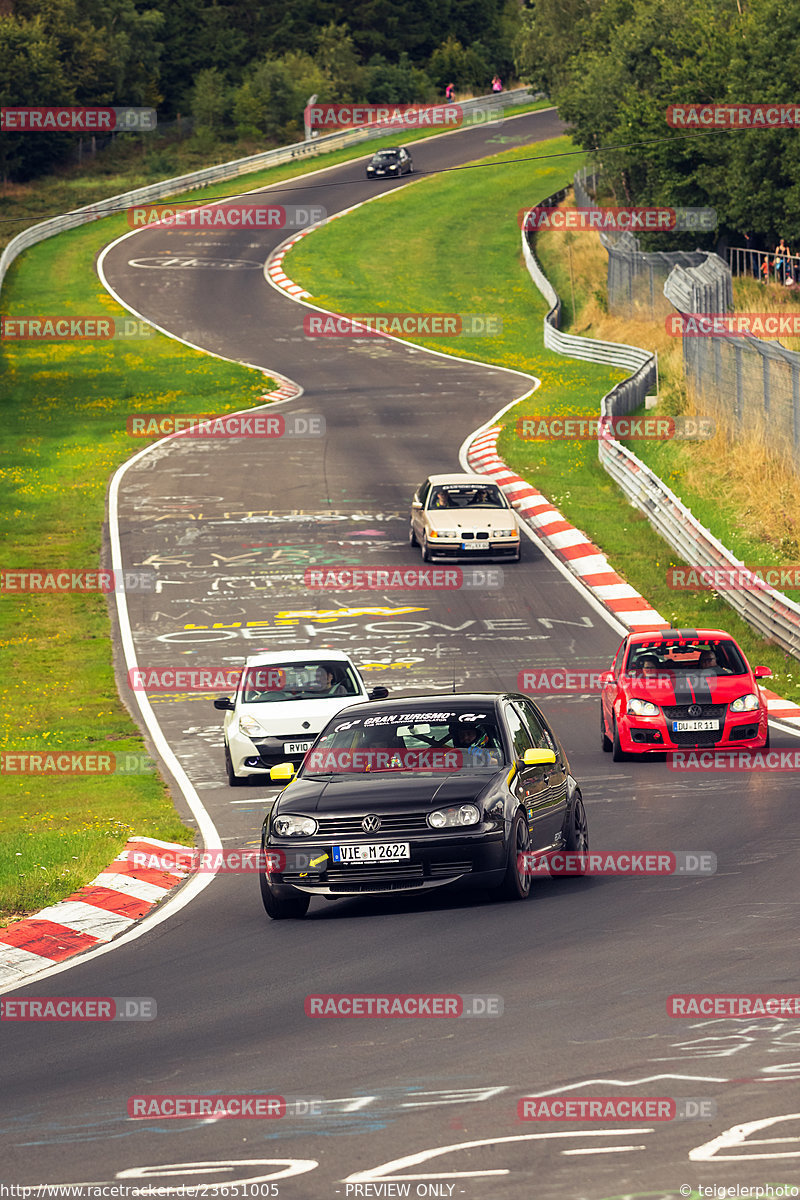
column 710, row 658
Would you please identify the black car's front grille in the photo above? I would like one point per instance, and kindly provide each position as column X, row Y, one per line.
column 367, row 878
column 444, row 870
column 393, row 825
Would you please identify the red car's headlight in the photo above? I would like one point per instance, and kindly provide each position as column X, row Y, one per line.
column 643, row 708
column 748, row 703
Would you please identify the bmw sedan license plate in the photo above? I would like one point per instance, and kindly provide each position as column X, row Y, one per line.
column 373, row 852
column 296, row 747
column 473, row 545
column 688, row 726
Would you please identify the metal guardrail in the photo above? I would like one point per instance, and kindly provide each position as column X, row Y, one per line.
column 230, row 170
column 768, row 611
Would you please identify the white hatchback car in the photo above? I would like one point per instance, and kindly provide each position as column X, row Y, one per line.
column 463, row 516
column 283, row 700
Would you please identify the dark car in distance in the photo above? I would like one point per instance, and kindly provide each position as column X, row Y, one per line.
column 396, row 161
column 416, row 793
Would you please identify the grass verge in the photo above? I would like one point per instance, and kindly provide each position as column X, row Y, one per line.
column 465, row 233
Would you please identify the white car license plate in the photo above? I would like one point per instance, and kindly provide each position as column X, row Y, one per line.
column 372, row 852
column 296, row 747
column 473, row 545
column 687, row 726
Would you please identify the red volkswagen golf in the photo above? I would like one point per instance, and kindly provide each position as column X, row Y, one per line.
column 682, row 689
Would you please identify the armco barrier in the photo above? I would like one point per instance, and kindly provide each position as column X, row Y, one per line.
column 771, row 613
column 224, row 171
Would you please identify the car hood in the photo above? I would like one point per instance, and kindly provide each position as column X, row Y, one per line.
column 693, row 688
column 479, row 518
column 385, row 792
column 289, row 716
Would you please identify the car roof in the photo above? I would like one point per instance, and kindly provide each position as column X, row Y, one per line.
column 482, row 480
column 432, row 699
column 294, row 656
column 678, row 635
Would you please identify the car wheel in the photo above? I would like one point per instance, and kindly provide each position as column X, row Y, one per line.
column 605, row 739
column 412, row 537
column 234, row 780
column 766, row 743
column 426, row 554
column 517, row 883
column 280, row 908
column 617, row 753
column 576, row 840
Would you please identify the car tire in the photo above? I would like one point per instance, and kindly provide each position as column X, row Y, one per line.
column 517, row 884
column 234, row 780
column 766, row 743
column 412, row 537
column 605, row 740
column 517, row 556
column 617, row 753
column 426, row 554
column 280, row 909
column 577, row 838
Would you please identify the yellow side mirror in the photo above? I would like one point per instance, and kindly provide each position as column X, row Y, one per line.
column 535, row 758
column 282, row 773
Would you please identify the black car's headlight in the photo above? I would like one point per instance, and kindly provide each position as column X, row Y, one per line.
column 446, row 818
column 289, row 825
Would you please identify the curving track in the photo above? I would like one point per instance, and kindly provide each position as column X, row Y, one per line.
column 584, row 968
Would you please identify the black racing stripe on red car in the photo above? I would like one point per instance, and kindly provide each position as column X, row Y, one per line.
column 692, row 688
column 679, row 635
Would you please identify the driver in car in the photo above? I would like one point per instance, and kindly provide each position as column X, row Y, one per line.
column 325, row 684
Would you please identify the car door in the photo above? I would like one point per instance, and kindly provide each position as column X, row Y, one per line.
column 530, row 784
column 555, row 774
column 610, row 690
column 418, row 507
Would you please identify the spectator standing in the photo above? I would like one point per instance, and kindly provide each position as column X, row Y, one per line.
column 497, row 84
column 448, row 93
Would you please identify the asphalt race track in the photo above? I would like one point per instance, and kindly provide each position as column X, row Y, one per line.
column 584, row 968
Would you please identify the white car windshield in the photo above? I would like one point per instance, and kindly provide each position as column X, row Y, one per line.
column 466, row 496
column 277, row 683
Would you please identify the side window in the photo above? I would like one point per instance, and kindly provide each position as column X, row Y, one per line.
column 542, row 739
column 520, row 738
column 619, row 658
column 423, row 491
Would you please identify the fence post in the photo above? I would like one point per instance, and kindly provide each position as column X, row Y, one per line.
column 739, row 409
column 796, row 410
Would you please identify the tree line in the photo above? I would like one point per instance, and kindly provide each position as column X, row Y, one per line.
column 239, row 68
column 615, row 66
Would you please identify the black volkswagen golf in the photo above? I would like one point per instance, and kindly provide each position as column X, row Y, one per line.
column 415, row 793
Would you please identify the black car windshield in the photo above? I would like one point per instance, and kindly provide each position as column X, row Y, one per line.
column 316, row 679
column 693, row 657
column 420, row 740
column 466, row 496
column 386, row 156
